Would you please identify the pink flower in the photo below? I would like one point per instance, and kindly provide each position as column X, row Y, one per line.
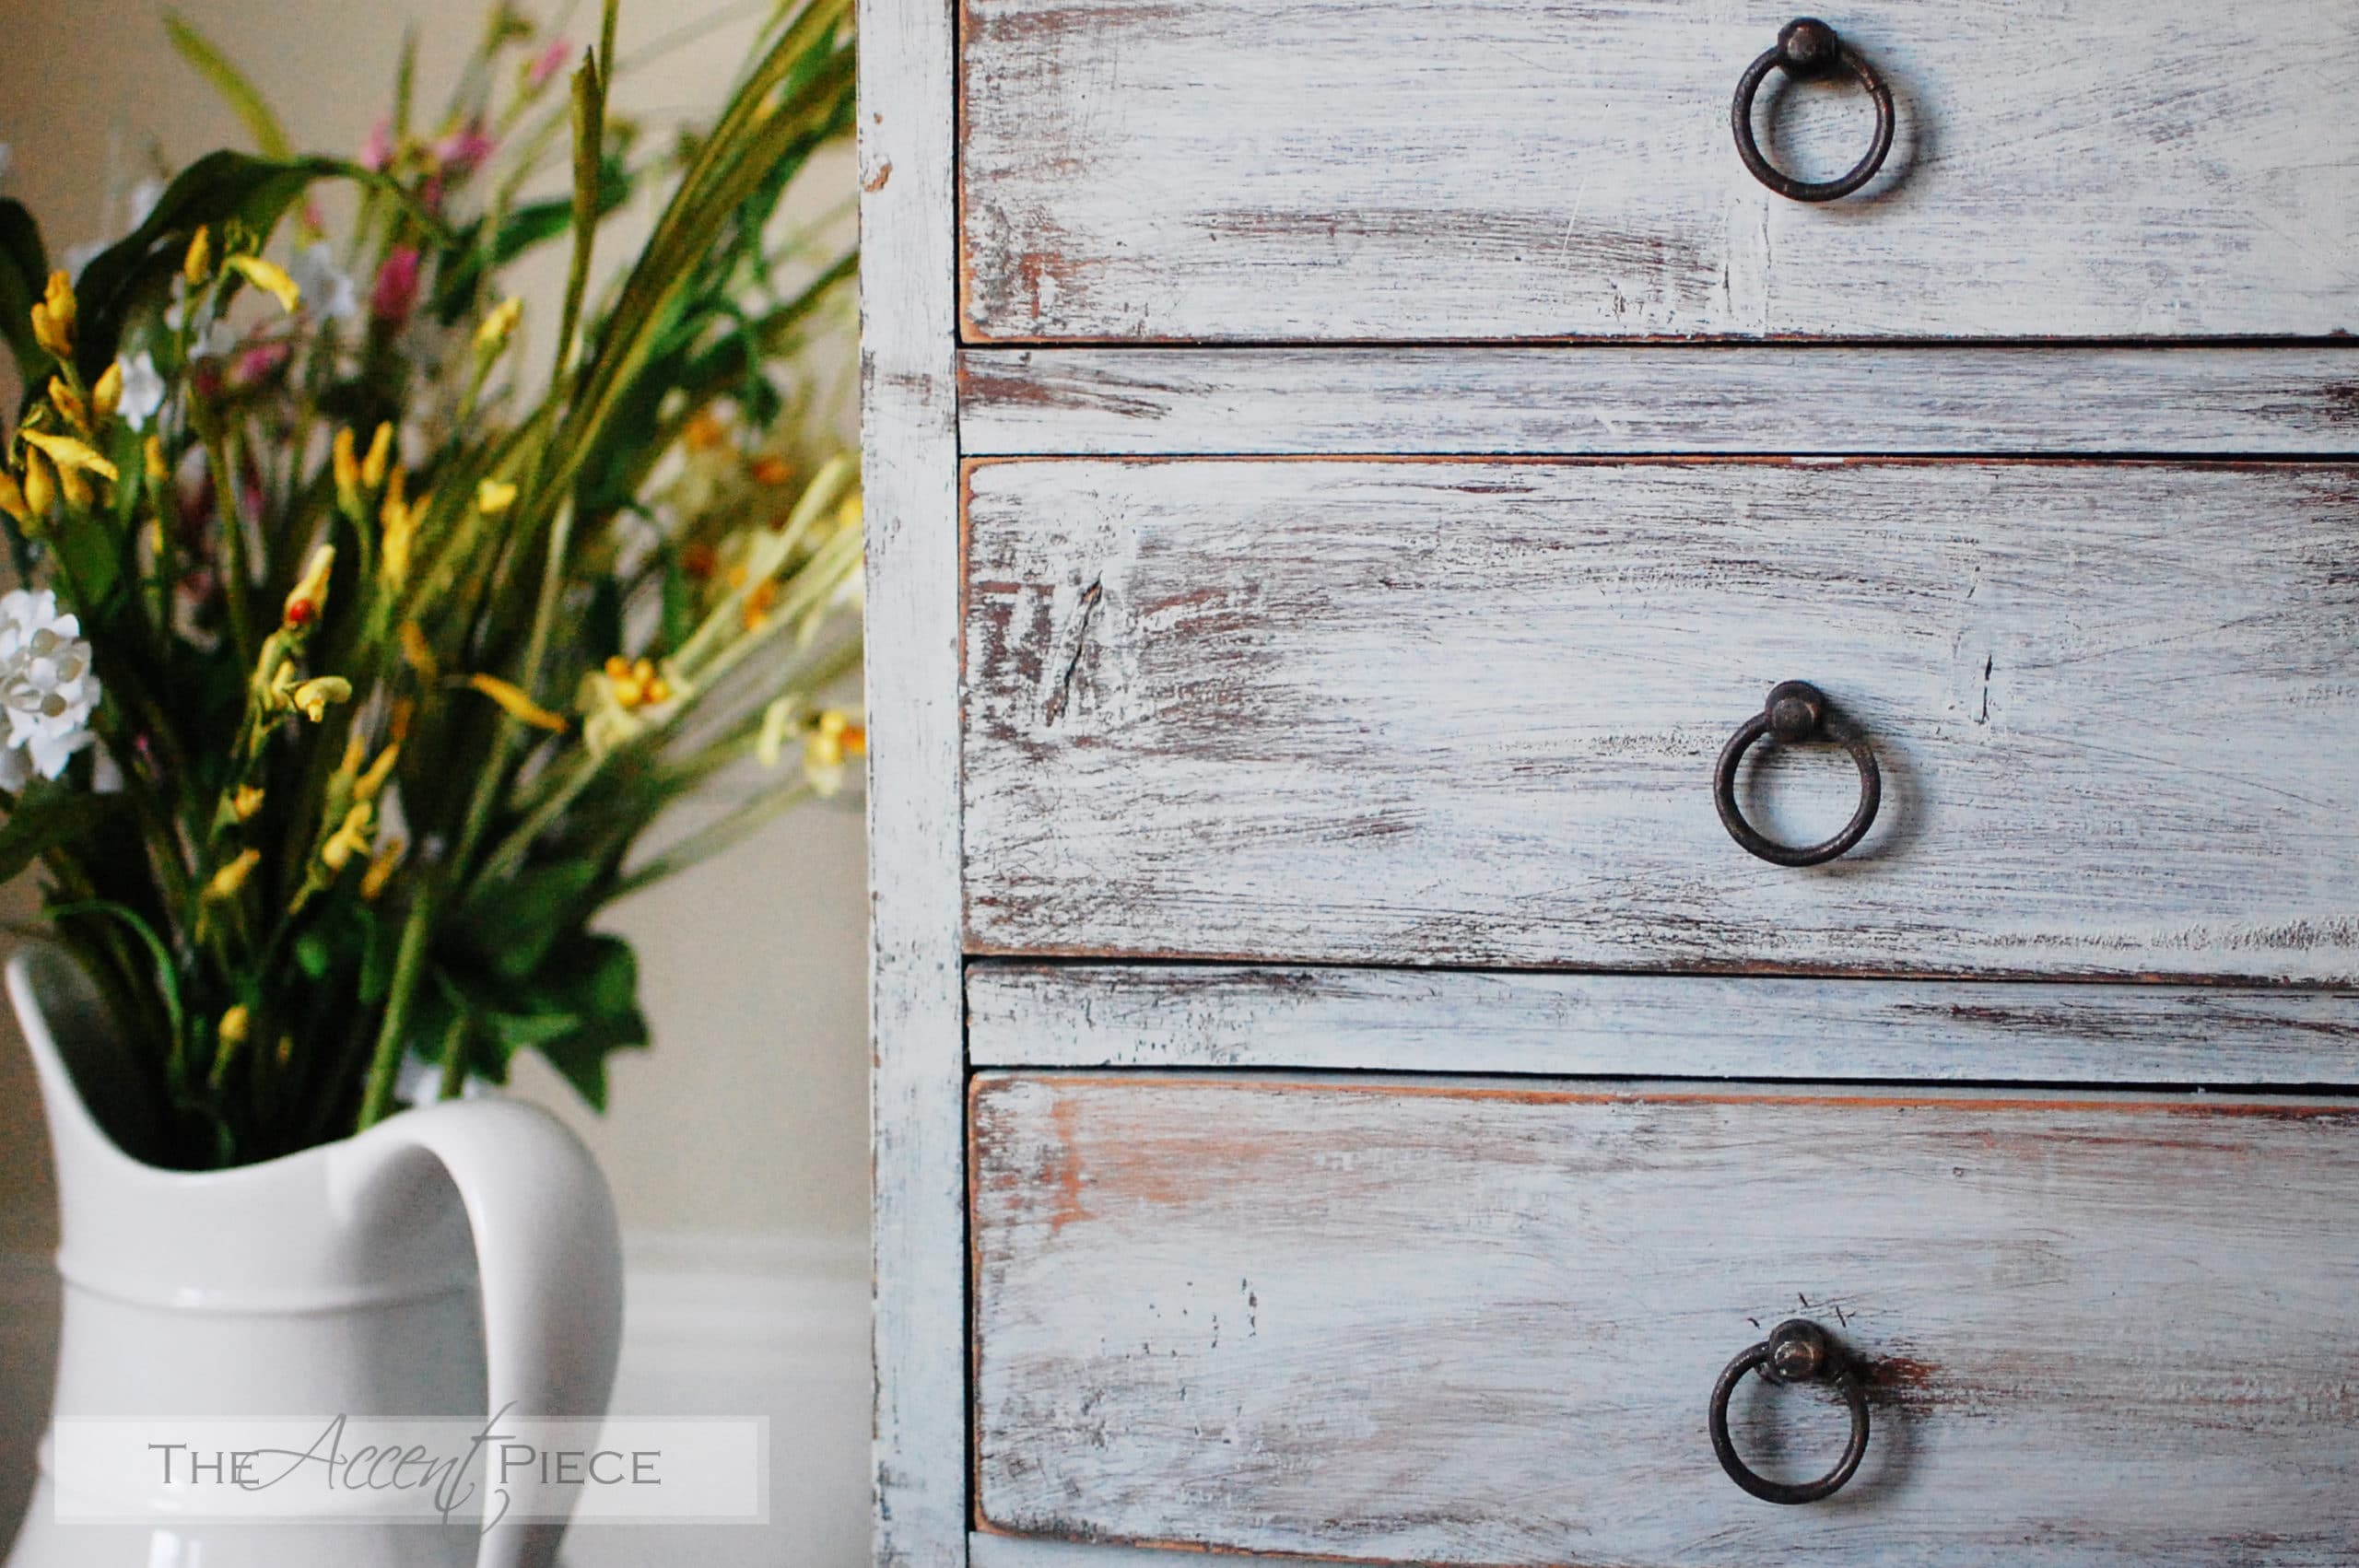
column 549, row 63
column 256, row 363
column 395, row 293
column 377, row 152
column 463, row 150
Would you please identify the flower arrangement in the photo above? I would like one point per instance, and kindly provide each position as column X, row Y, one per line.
column 355, row 655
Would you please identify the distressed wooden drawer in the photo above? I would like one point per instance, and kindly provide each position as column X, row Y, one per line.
column 1342, row 169
column 1467, row 712
column 1451, row 1322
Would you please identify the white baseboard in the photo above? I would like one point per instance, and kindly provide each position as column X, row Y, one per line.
column 712, row 1325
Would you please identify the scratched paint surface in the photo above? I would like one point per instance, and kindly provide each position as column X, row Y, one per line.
column 1467, row 712
column 1472, row 1324
column 1330, row 170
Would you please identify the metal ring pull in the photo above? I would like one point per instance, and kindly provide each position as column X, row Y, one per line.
column 1808, row 47
column 1796, row 711
column 1797, row 1350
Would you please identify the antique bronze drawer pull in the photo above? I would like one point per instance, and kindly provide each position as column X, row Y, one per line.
column 1808, row 47
column 1797, row 1350
column 1796, row 711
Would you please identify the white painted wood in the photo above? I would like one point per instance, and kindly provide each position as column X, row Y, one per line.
column 1467, row 713
column 1622, row 400
column 910, row 473
column 1474, row 1324
column 987, row 1550
column 1653, row 1025
column 1337, row 169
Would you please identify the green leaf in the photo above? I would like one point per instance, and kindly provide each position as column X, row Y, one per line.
column 167, row 978
column 595, row 979
column 511, row 925
column 231, row 85
column 49, row 816
column 24, row 273
column 217, row 188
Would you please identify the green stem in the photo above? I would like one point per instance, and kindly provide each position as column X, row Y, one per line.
column 218, row 453
column 454, row 1056
column 409, row 963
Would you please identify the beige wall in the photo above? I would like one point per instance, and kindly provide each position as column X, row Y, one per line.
column 750, row 1115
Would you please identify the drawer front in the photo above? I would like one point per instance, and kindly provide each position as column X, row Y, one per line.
column 1469, row 1324
column 1468, row 712
column 1345, row 170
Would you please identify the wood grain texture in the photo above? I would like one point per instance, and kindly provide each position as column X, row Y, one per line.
column 909, row 459
column 1466, row 714
column 1475, row 1324
column 1070, row 1016
column 1515, row 168
column 988, row 1550
column 1627, row 400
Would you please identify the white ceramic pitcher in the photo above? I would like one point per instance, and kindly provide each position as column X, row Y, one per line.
column 448, row 1262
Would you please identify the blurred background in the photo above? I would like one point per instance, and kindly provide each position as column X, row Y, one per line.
column 737, row 1147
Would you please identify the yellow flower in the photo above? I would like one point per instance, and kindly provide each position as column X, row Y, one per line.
column 704, row 431
column 381, row 867
column 309, row 598
column 833, row 738
column 271, row 279
column 347, row 463
column 636, row 683
column 69, row 453
column 235, row 1024
column 108, row 392
column 758, row 599
column 40, row 486
column 228, row 881
column 380, row 453
column 514, row 701
column 398, row 518
column 245, row 801
column 158, row 471
column 198, row 266
column 365, row 787
column 311, row 698
column 12, row 498
column 78, row 494
column 54, row 318
column 417, row 654
column 352, row 838
column 61, row 398
column 499, row 325
column 494, row 497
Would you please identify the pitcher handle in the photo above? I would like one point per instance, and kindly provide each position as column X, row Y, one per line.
column 547, row 1252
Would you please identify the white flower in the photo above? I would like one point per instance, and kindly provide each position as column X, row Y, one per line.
column 143, row 389
column 47, row 689
column 327, row 290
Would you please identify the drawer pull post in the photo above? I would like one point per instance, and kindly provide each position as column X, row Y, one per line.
column 1797, row 1350
column 1796, row 711
column 1808, row 47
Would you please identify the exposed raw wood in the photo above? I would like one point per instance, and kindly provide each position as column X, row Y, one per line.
column 1618, row 400
column 909, row 471
column 1652, row 1026
column 1466, row 713
column 1337, row 169
column 1474, row 1324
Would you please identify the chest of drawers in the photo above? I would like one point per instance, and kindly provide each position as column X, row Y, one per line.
column 1390, row 1006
